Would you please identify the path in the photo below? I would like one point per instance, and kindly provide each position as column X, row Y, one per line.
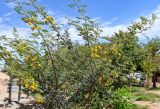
column 3, row 86
column 4, row 80
column 150, row 104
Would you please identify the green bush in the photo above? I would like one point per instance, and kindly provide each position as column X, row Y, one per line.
column 96, row 102
column 121, row 99
column 112, row 99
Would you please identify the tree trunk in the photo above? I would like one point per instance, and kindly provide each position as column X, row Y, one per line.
column 148, row 78
column 154, row 78
column 10, row 90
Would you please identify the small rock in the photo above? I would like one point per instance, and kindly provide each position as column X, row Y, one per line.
column 9, row 105
column 1, row 104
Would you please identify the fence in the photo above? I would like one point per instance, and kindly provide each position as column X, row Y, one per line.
column 12, row 88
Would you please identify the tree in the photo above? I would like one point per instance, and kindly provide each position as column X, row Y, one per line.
column 148, row 66
column 150, row 63
column 59, row 74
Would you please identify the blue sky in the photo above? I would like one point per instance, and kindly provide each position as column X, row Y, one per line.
column 113, row 14
column 122, row 10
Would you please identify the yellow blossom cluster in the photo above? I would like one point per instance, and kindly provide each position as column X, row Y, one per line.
column 32, row 22
column 115, row 49
column 49, row 19
column 26, row 59
column 16, row 65
column 8, row 55
column 95, row 51
column 22, row 47
column 38, row 99
column 30, row 84
column 36, row 28
column 33, row 61
column 101, row 79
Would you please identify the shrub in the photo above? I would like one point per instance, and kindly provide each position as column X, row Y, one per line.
column 121, row 99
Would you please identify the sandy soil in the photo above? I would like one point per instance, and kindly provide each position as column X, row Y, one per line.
column 150, row 104
column 3, row 85
column 4, row 80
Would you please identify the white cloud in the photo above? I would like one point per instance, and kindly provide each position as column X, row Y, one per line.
column 61, row 20
column 108, row 29
column 6, row 30
column 11, row 4
column 50, row 12
column 111, row 21
column 155, row 30
column 157, row 11
column 74, row 35
column 6, row 17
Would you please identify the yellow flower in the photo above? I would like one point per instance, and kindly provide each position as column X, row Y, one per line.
column 33, row 66
column 26, row 85
column 33, row 88
column 95, row 50
column 38, row 27
column 39, row 65
column 99, row 47
column 22, row 47
column 30, row 84
column 97, row 55
column 26, row 58
column 34, row 59
column 29, row 23
column 49, row 19
column 38, row 99
column 33, row 17
column 26, row 19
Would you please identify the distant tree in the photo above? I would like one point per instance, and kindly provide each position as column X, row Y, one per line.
column 150, row 63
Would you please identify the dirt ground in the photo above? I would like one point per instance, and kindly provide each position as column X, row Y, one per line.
column 4, row 80
column 3, row 86
column 150, row 104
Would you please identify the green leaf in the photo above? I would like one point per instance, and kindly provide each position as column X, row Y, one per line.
column 35, row 34
column 45, row 31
